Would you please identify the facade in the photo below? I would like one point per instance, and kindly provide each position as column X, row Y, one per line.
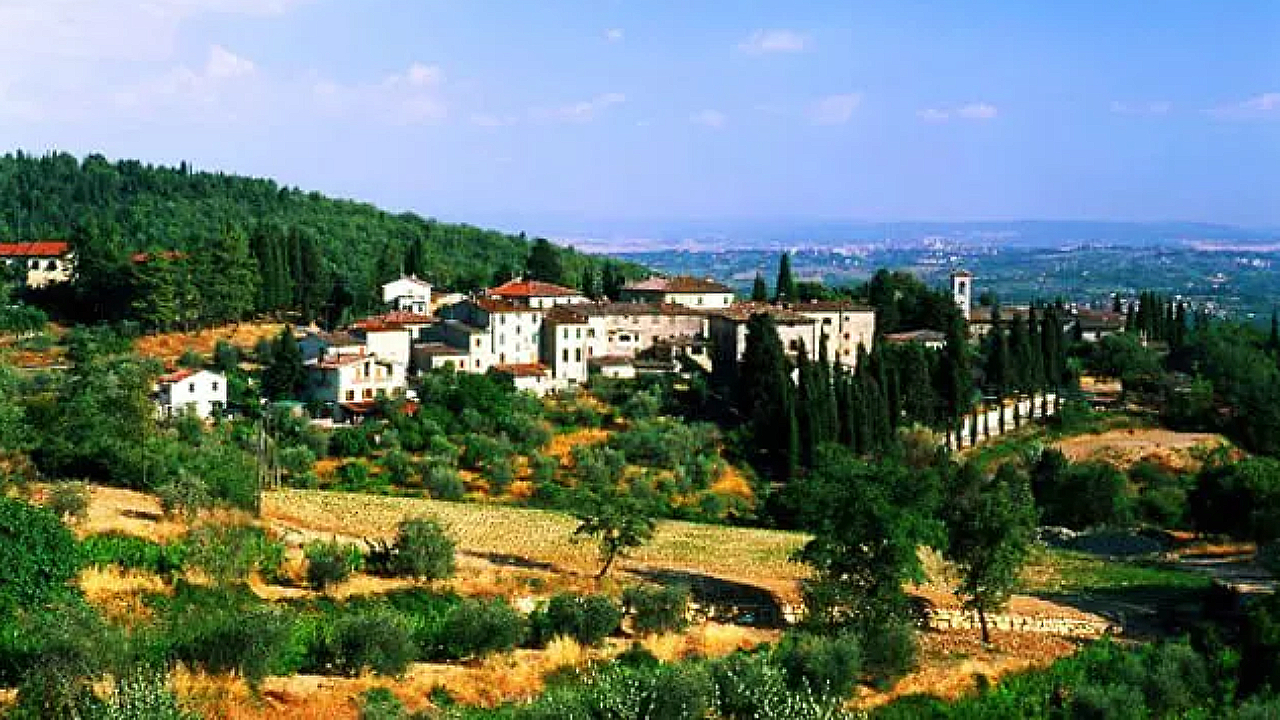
column 389, row 341
column 843, row 326
column 201, row 392
column 494, row 332
column 703, row 293
column 1093, row 325
column 46, row 262
column 349, row 384
column 316, row 343
column 529, row 377
column 962, row 290
column 846, row 326
column 408, row 294
column 535, row 294
column 932, row 339
column 576, row 334
column 435, row 355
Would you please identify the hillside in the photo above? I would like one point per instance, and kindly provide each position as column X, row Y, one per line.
column 129, row 207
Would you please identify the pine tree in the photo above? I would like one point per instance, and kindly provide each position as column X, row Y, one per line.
column 611, row 282
column 759, row 293
column 767, row 397
column 588, row 283
column 1130, row 320
column 785, row 288
column 544, row 263
column 155, row 296
column 285, row 377
column 228, row 279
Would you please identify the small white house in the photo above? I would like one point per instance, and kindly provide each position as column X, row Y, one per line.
column 351, row 384
column 408, row 294
column 201, row 392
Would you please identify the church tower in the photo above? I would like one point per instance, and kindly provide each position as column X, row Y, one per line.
column 962, row 290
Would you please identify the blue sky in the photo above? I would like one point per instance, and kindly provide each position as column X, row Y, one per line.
column 550, row 111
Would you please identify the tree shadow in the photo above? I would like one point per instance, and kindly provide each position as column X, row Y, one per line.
column 516, row 561
column 722, row 600
column 1139, row 611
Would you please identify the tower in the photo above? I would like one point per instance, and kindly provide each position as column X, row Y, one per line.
column 962, row 290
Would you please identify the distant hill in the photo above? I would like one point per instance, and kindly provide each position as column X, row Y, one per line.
column 140, row 207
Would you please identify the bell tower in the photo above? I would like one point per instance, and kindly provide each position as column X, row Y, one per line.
column 962, row 290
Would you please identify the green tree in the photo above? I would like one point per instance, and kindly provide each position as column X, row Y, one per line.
column 766, row 396
column 990, row 528
column 544, row 262
column 285, row 377
column 617, row 518
column 759, row 293
column 228, row 279
column 785, row 288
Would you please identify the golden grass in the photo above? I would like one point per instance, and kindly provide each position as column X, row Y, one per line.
column 118, row 592
column 130, row 513
column 525, row 535
column 170, row 346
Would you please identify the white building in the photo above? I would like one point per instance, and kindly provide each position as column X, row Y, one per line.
column 843, row 326
column 45, row 262
column 962, row 290
column 349, row 385
column 408, row 294
column 680, row 290
column 493, row 331
column 316, row 343
column 201, row 392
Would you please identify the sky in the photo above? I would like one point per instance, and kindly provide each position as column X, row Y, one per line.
column 538, row 112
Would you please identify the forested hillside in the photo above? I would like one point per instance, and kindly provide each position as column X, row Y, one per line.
column 307, row 247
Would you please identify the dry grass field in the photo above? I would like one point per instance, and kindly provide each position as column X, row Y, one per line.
column 1180, row 451
column 168, row 347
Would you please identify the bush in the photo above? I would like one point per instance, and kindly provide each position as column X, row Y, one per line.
column 422, row 550
column 230, row 553
column 38, row 554
column 375, row 639
column 443, row 483
column 350, row 443
column 825, row 666
column 142, row 694
column 1240, row 499
column 330, row 563
column 69, row 648
column 397, row 467
column 132, row 553
column 657, row 610
column 500, row 472
column 588, row 620
column 69, row 500
column 543, row 468
column 889, row 651
column 296, row 460
column 1080, row 495
column 380, row 704
column 220, row 636
column 475, row 628
column 186, row 495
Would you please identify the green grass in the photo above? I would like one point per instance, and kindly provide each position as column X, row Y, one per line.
column 1055, row 571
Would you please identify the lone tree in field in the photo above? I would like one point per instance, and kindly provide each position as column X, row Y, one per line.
column 606, row 509
column 990, row 526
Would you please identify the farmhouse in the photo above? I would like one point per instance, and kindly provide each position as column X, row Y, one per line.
column 347, row 384
column 46, row 261
column 200, row 392
column 536, row 295
column 680, row 290
column 407, row 294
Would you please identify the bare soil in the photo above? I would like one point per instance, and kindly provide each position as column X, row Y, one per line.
column 1177, row 451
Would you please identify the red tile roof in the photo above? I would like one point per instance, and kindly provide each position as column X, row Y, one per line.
column 531, row 288
column 177, row 376
column 169, row 255
column 499, row 305
column 41, row 248
column 522, row 369
column 678, row 284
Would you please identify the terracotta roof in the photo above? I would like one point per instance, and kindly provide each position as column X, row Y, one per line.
column 338, row 338
column 829, row 306
column 441, row 349
column 638, row 308
column 329, row 362
column 565, row 315
column 961, row 273
column 359, row 407
column 982, row 313
column 1100, row 320
column 177, row 376
column 169, row 255
column 742, row 312
column 611, row 360
column 40, row 248
column 921, row 336
column 678, row 284
column 499, row 305
column 531, row 288
column 522, row 369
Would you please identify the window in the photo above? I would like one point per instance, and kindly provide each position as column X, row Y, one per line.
column 793, row 346
column 351, row 395
column 566, row 333
column 53, row 265
column 477, row 342
column 366, row 368
column 477, row 363
column 591, row 332
column 367, row 394
column 579, row 333
column 699, row 299
column 191, row 387
column 846, row 336
column 564, row 355
column 34, row 265
column 826, row 321
column 577, row 355
column 215, row 386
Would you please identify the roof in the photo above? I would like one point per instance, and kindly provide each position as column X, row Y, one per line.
column 464, row 327
column 409, row 279
column 830, row 306
column 438, row 349
column 982, row 313
column 522, row 369
column 39, row 248
column 531, row 288
column 177, row 376
column 1100, row 320
column 742, row 312
column 920, row 336
column 564, row 315
column 638, row 308
column 678, row 284
column 169, row 255
column 499, row 305
column 330, row 362
column 335, row 338
column 611, row 361
column 961, row 272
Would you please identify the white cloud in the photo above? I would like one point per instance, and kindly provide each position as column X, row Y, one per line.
column 834, row 109
column 709, row 118
column 1259, row 107
column 614, row 35
column 1152, row 107
column 773, row 41
column 412, row 96
column 969, row 111
column 580, row 112
column 223, row 63
column 977, row 111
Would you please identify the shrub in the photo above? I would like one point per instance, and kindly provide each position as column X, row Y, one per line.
column 888, row 651
column 396, row 467
column 132, row 553
column 70, row 647
column 354, row 475
column 1080, row 495
column 142, row 694
column 422, row 550
column 588, row 619
column 543, row 468
column 220, row 637
column 350, row 442
column 186, row 495
column 38, row 554
column 443, row 483
column 296, row 460
column 500, row 473
column 69, row 500
column 824, row 666
column 330, row 563
column 229, row 553
column 657, row 610
column 475, row 628
column 380, row 704
column 375, row 639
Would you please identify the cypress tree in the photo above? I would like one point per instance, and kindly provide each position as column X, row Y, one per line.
column 1273, row 341
column 1130, row 320
column 956, row 380
column 785, row 288
column 767, row 397
column 805, row 420
column 588, row 283
column 828, row 424
column 759, row 293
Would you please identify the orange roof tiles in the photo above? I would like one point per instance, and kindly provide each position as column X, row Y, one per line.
column 531, row 288
column 40, row 248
